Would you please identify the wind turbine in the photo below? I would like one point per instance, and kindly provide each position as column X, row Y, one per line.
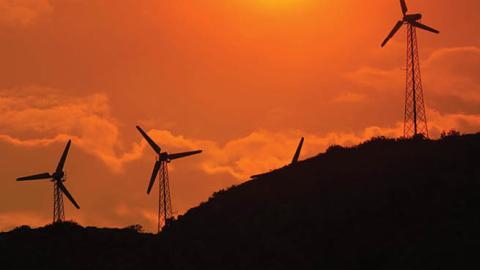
column 296, row 156
column 58, row 177
column 415, row 120
column 161, row 169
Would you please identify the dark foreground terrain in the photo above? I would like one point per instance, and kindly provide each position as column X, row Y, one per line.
column 385, row 204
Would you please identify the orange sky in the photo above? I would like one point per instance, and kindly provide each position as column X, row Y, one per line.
column 241, row 79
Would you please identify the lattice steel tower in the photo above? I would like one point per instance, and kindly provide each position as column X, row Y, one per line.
column 58, row 210
column 415, row 119
column 165, row 212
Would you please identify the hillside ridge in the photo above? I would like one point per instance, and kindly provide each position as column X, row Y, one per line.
column 383, row 204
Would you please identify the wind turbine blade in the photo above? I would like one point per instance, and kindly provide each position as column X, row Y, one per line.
column 393, row 32
column 61, row 163
column 424, row 27
column 297, row 153
column 154, row 176
column 69, row 196
column 155, row 147
column 404, row 7
column 184, row 154
column 41, row 176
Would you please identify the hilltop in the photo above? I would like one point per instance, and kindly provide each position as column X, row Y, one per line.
column 384, row 204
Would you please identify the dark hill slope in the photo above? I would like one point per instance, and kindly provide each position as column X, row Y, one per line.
column 385, row 204
column 71, row 246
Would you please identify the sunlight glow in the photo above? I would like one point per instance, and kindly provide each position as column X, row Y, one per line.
column 282, row 4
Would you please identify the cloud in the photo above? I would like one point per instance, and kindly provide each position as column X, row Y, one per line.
column 452, row 54
column 467, row 123
column 454, row 72
column 263, row 150
column 446, row 72
column 36, row 116
column 9, row 220
column 376, row 79
column 30, row 119
column 349, row 97
column 23, row 12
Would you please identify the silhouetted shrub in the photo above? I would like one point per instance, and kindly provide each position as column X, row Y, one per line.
column 334, row 148
column 217, row 193
column 376, row 139
column 450, row 134
column 221, row 191
column 135, row 228
column 419, row 137
column 23, row 228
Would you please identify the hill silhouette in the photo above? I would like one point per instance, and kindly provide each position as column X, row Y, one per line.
column 384, row 204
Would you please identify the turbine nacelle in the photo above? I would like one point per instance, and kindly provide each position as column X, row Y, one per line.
column 412, row 17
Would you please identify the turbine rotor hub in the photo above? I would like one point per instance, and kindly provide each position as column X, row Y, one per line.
column 58, row 176
column 163, row 156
